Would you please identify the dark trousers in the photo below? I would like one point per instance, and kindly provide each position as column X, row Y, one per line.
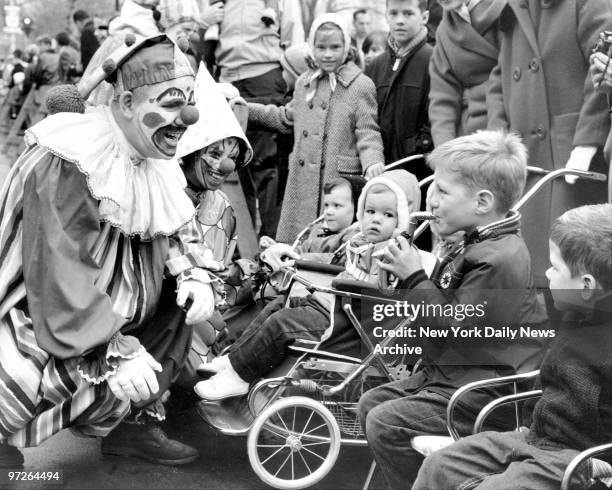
column 265, row 342
column 394, row 413
column 259, row 180
column 495, row 461
column 168, row 339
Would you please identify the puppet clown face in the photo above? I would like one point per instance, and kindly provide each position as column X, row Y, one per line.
column 161, row 116
column 217, row 161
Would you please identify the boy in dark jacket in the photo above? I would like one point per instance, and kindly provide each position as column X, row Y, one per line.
column 575, row 411
column 477, row 180
column 401, row 77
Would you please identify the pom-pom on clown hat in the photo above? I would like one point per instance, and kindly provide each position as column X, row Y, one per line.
column 216, row 122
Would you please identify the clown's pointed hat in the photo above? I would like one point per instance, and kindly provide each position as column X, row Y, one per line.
column 216, row 122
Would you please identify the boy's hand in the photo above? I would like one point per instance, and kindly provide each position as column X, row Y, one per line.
column 401, row 259
column 203, row 300
column 238, row 101
column 135, row 378
column 374, row 170
column 228, row 90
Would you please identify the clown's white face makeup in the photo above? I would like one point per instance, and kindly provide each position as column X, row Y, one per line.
column 217, row 161
column 156, row 115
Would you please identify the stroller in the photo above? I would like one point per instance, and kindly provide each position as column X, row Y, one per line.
column 298, row 418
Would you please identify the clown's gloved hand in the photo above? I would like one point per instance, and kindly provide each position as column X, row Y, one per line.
column 203, row 300
column 279, row 255
column 580, row 159
column 135, row 378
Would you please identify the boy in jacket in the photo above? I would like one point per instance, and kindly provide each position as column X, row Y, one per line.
column 574, row 411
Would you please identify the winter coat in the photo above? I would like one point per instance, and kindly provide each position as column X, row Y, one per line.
column 462, row 60
column 336, row 134
column 576, row 405
column 491, row 268
column 541, row 89
column 402, row 104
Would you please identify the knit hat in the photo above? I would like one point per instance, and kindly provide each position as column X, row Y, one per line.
column 137, row 17
column 216, row 122
column 407, row 192
column 177, row 11
column 296, row 59
column 337, row 20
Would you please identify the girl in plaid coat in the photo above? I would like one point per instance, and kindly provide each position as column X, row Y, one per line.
column 333, row 116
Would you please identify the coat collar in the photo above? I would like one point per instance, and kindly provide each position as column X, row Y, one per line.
column 510, row 224
column 345, row 74
column 521, row 12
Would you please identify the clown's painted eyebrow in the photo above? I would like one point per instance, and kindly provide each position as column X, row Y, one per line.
column 171, row 92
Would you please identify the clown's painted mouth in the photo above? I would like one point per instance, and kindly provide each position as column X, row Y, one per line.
column 166, row 139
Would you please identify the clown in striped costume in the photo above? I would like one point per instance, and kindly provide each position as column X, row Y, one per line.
column 89, row 216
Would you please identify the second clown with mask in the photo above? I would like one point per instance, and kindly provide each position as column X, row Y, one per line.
column 210, row 151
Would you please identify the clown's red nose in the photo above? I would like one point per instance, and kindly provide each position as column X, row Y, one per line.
column 227, row 166
column 189, row 115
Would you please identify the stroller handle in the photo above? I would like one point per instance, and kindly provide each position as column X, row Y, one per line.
column 400, row 162
column 548, row 176
column 555, row 174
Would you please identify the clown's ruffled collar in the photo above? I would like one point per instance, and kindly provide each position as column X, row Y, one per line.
column 142, row 197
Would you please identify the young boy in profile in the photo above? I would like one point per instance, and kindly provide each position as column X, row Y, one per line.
column 477, row 179
column 575, row 410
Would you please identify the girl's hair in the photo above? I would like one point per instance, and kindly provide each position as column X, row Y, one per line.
column 375, row 37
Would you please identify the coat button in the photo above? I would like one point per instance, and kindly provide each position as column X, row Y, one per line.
column 516, row 74
column 301, row 163
column 305, row 134
column 534, row 65
column 323, row 105
column 540, row 132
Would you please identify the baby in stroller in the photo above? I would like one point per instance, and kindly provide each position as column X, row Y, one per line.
column 383, row 213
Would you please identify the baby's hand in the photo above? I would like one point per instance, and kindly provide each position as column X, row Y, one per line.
column 401, row 259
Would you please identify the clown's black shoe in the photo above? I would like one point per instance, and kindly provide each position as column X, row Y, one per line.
column 10, row 457
column 147, row 441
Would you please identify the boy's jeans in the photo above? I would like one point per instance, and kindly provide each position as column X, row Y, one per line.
column 264, row 344
column 495, row 461
column 394, row 413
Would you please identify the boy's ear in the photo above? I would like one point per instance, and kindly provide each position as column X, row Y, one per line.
column 589, row 282
column 485, row 201
column 425, row 17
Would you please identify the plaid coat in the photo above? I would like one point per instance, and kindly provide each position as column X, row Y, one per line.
column 336, row 134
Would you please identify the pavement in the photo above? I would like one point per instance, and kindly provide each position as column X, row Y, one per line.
column 223, row 463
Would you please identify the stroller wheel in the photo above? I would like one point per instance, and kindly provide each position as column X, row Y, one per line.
column 293, row 443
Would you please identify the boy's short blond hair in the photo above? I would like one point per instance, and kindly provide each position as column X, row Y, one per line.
column 584, row 238
column 486, row 160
